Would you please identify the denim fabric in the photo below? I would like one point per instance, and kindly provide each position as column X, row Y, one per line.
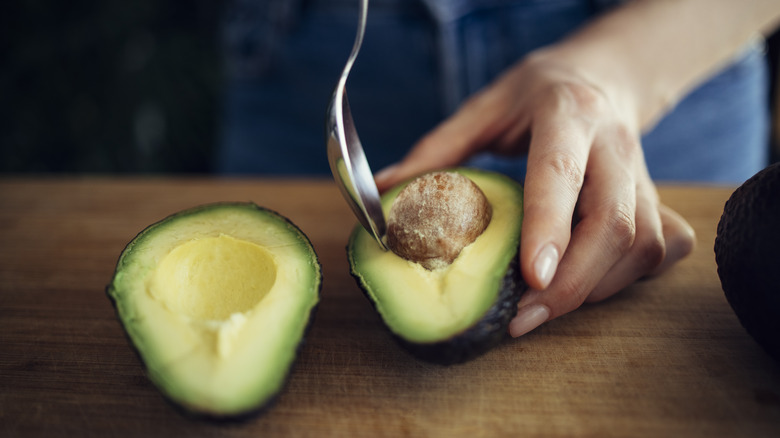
column 479, row 39
column 720, row 131
column 419, row 60
column 274, row 117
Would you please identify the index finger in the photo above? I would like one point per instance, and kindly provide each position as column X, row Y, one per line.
column 557, row 159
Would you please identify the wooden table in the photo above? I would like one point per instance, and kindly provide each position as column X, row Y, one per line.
column 666, row 357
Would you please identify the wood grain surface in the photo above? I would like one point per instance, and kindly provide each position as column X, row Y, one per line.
column 666, row 357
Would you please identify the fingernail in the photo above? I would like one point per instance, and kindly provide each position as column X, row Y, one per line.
column 527, row 319
column 545, row 264
column 384, row 174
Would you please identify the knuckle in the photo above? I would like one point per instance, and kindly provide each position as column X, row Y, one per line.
column 621, row 226
column 572, row 295
column 578, row 98
column 565, row 166
column 650, row 252
column 627, row 144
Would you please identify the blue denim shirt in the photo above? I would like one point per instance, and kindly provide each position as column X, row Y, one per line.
column 420, row 60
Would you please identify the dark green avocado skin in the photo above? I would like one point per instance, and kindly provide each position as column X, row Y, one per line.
column 747, row 252
column 478, row 339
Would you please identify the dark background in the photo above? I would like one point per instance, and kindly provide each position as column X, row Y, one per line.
column 114, row 86
column 109, row 86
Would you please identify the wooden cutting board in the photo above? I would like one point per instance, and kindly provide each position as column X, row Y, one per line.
column 666, row 357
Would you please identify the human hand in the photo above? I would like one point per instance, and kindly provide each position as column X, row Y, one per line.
column 593, row 223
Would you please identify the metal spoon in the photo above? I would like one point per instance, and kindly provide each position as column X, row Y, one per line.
column 345, row 154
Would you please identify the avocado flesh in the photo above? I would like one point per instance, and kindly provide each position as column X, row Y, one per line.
column 435, row 308
column 216, row 301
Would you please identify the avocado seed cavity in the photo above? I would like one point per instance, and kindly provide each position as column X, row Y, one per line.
column 435, row 216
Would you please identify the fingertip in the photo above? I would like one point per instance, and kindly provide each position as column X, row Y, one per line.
column 385, row 178
column 680, row 238
column 394, row 174
column 528, row 318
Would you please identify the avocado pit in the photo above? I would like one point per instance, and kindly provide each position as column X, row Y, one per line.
column 435, row 216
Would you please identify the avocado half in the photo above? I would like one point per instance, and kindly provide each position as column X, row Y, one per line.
column 457, row 313
column 747, row 252
column 216, row 301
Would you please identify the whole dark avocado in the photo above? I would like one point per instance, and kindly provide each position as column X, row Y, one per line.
column 747, row 252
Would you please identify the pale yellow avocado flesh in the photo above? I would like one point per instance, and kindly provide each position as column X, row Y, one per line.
column 216, row 303
column 211, row 278
column 429, row 306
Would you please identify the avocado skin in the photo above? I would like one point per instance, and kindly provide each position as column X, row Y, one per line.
column 747, row 252
column 478, row 339
column 184, row 410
